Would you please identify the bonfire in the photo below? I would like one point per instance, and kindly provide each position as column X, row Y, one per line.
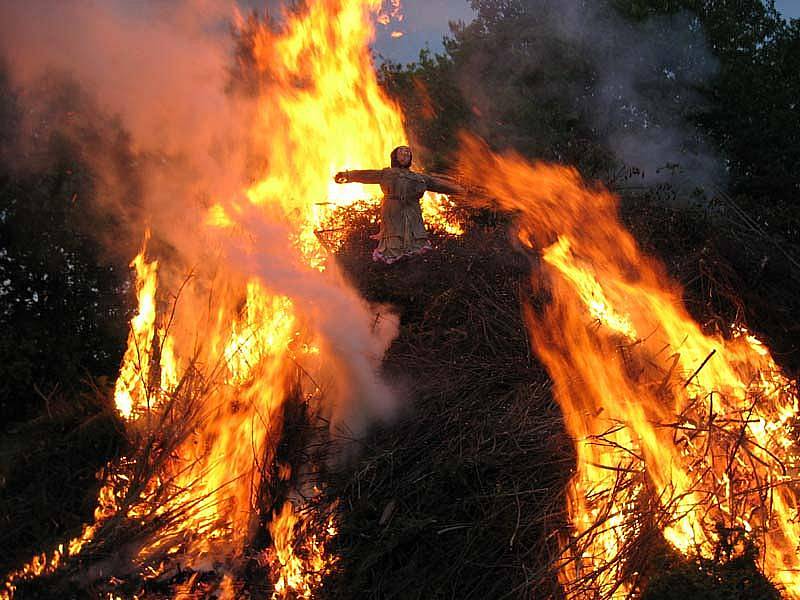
column 255, row 363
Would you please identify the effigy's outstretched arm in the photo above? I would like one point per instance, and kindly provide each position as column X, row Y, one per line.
column 441, row 185
column 363, row 176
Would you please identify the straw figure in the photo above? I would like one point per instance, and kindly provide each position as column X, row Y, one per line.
column 402, row 230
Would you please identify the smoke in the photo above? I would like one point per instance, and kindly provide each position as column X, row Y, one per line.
column 160, row 66
column 161, row 72
column 647, row 90
column 581, row 68
column 354, row 333
column 154, row 70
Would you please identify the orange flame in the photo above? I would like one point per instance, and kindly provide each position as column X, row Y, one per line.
column 41, row 564
column 231, row 345
column 133, row 379
column 660, row 412
column 298, row 574
column 391, row 11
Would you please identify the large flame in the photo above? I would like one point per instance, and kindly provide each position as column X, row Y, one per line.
column 686, row 432
column 319, row 110
column 317, row 77
column 212, row 359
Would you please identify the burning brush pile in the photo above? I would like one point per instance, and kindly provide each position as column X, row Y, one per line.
column 572, row 426
column 476, row 493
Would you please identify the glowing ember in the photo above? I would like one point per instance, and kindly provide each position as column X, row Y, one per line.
column 391, row 11
column 437, row 211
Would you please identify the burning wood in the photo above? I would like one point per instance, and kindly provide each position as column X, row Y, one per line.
column 679, row 434
column 204, row 384
column 688, row 433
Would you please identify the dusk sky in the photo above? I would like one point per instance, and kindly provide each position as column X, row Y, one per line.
column 789, row 8
column 425, row 22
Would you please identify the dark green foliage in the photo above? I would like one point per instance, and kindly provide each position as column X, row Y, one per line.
column 526, row 84
column 63, row 315
column 432, row 102
column 755, row 115
column 640, row 82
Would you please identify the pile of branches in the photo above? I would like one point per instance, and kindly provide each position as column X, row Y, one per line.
column 136, row 504
column 48, row 469
column 462, row 496
column 140, row 506
column 465, row 494
column 732, row 269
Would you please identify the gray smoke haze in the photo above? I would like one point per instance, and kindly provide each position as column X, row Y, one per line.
column 160, row 72
column 648, row 84
column 154, row 69
column 634, row 84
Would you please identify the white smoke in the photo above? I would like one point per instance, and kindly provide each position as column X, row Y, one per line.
column 162, row 68
column 636, row 85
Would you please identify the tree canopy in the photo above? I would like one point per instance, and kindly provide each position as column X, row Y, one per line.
column 708, row 87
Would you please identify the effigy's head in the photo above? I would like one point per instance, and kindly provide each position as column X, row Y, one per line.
column 401, row 157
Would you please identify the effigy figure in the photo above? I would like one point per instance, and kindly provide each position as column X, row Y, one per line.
column 402, row 230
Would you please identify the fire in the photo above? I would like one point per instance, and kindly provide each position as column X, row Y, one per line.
column 250, row 341
column 391, row 11
column 337, row 119
column 321, row 111
column 299, row 573
column 213, row 359
column 133, row 379
column 676, row 429
column 41, row 564
column 437, row 213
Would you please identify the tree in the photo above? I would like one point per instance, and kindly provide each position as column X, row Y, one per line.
column 63, row 315
column 754, row 115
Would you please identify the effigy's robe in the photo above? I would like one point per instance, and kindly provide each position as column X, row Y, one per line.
column 402, row 228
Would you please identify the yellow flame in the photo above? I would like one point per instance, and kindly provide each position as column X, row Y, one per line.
column 590, row 290
column 319, row 110
column 437, row 211
column 299, row 574
column 133, row 381
column 661, row 412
